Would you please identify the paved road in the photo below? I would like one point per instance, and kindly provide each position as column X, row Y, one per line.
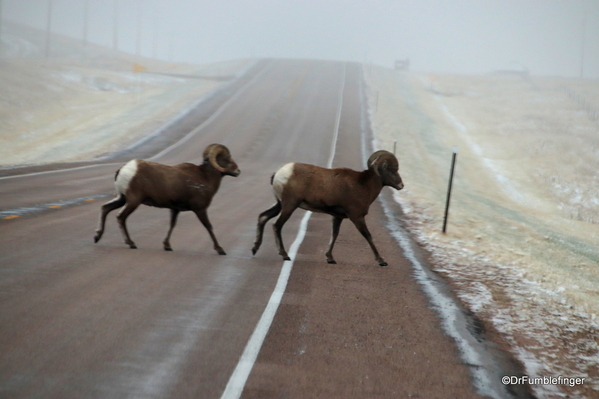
column 82, row 320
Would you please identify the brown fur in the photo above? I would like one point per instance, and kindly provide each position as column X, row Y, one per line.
column 341, row 193
column 183, row 187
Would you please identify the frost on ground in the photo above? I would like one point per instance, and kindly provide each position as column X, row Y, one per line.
column 85, row 101
column 522, row 246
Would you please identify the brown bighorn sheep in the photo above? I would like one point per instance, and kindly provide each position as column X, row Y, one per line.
column 184, row 187
column 342, row 193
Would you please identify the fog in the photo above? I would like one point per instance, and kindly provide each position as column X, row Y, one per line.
column 548, row 37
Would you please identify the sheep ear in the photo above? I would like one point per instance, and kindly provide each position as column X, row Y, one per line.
column 381, row 170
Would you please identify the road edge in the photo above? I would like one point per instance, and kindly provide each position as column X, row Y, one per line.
column 486, row 361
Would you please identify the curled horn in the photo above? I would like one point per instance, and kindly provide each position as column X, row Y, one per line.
column 374, row 159
column 208, row 149
column 212, row 152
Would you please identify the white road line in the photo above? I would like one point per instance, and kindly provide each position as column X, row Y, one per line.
column 250, row 353
column 248, row 358
column 59, row 170
column 213, row 116
column 451, row 316
column 337, row 119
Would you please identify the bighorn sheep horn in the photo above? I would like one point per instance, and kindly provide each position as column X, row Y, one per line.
column 212, row 152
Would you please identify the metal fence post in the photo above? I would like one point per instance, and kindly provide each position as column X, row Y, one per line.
column 453, row 159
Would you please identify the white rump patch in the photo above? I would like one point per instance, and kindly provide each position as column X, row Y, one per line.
column 281, row 178
column 125, row 175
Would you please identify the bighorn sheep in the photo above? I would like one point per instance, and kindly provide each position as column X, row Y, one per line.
column 184, row 187
column 342, row 193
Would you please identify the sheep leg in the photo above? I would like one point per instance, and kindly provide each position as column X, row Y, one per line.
column 108, row 207
column 203, row 216
column 167, row 242
column 122, row 218
column 286, row 212
column 263, row 218
column 336, row 224
column 360, row 224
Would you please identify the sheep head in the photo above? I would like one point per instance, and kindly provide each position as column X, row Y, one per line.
column 219, row 157
column 385, row 165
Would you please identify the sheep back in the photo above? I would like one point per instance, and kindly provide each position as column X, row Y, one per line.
column 185, row 186
column 334, row 191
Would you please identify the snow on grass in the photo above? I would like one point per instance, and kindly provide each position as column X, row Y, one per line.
column 55, row 113
column 86, row 101
column 522, row 244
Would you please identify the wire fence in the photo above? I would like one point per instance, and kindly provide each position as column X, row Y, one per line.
column 583, row 103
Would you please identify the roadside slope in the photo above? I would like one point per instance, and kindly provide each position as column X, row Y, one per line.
column 84, row 102
column 520, row 250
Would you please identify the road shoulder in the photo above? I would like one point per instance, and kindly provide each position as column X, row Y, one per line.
column 355, row 329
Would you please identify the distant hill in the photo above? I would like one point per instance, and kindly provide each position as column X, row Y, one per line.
column 23, row 42
column 85, row 101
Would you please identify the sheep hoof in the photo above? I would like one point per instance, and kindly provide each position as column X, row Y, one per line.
column 168, row 249
column 286, row 258
column 254, row 250
column 96, row 239
column 132, row 246
column 221, row 251
column 383, row 263
column 331, row 261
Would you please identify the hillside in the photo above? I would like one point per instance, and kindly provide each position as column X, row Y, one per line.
column 84, row 101
column 521, row 248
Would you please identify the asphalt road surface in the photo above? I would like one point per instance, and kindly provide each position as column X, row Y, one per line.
column 85, row 320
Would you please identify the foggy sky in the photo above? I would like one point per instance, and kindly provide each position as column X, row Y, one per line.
column 445, row 36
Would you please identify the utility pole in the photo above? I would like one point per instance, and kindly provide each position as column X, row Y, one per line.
column 115, row 30
column 0, row 28
column 85, row 20
column 156, row 24
column 48, row 28
column 584, row 29
column 138, row 38
column 170, row 25
column 171, row 41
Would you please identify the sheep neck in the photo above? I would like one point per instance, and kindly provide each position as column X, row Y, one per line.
column 212, row 176
column 374, row 184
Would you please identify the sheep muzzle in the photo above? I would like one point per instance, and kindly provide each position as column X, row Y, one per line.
column 398, row 186
column 235, row 172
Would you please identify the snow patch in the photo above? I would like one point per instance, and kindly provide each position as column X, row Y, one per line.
column 521, row 248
